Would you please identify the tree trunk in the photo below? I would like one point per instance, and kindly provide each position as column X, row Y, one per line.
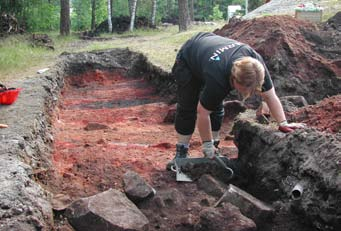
column 191, row 10
column 183, row 15
column 169, row 8
column 109, row 17
column 93, row 15
column 64, row 17
column 153, row 24
column 132, row 16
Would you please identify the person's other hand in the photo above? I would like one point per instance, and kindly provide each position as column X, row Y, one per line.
column 290, row 127
column 209, row 149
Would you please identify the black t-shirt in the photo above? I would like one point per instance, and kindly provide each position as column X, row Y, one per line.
column 210, row 58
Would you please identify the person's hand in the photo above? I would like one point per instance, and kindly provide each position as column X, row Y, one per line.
column 286, row 127
column 3, row 126
column 209, row 149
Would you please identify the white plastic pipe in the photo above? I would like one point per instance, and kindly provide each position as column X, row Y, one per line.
column 297, row 191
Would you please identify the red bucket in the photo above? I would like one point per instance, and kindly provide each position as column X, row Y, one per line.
column 9, row 96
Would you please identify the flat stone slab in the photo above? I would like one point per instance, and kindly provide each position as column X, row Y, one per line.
column 249, row 205
column 228, row 218
column 109, row 210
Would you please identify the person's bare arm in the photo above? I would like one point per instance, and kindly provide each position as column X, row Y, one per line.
column 274, row 104
column 276, row 110
column 205, row 131
column 3, row 126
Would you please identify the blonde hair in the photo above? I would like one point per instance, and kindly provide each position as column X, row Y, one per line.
column 248, row 72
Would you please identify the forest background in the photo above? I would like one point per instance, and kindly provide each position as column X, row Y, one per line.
column 44, row 15
column 20, row 57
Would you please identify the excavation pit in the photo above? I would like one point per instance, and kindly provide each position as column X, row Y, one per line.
column 111, row 121
column 76, row 130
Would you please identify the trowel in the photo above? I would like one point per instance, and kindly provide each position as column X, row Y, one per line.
column 181, row 163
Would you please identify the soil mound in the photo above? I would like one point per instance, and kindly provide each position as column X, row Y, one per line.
column 277, row 164
column 334, row 22
column 325, row 116
column 121, row 24
column 300, row 56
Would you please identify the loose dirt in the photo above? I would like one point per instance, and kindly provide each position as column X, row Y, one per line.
column 108, row 123
column 302, row 57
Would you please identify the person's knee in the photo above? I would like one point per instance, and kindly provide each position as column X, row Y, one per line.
column 189, row 111
column 217, row 119
column 185, row 118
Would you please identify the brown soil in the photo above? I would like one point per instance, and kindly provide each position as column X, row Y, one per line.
column 326, row 116
column 303, row 58
column 107, row 123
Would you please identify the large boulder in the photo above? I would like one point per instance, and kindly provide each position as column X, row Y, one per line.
column 109, row 210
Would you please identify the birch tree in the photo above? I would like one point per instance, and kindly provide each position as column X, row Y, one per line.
column 109, row 17
column 132, row 16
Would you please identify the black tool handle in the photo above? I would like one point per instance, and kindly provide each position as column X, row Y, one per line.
column 222, row 163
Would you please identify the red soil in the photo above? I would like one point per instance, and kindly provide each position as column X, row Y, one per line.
column 325, row 116
column 107, row 124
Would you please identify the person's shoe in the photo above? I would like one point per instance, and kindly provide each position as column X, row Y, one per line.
column 181, row 152
column 216, row 145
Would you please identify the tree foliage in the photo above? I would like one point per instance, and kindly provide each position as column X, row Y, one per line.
column 216, row 14
column 33, row 15
column 44, row 15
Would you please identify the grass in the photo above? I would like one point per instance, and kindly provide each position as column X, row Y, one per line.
column 16, row 53
column 19, row 59
column 330, row 8
column 160, row 46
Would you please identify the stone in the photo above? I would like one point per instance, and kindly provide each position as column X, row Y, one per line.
column 136, row 188
column 211, row 186
column 233, row 108
column 60, row 202
column 95, row 126
column 292, row 103
column 109, row 210
column 250, row 206
column 228, row 218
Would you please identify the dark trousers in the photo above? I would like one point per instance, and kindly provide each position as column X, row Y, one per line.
column 188, row 92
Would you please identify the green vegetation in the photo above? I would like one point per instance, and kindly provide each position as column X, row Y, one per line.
column 217, row 14
column 330, row 8
column 17, row 54
column 19, row 59
column 42, row 15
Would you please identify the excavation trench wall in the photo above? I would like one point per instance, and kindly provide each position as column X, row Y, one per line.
column 25, row 147
column 274, row 163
